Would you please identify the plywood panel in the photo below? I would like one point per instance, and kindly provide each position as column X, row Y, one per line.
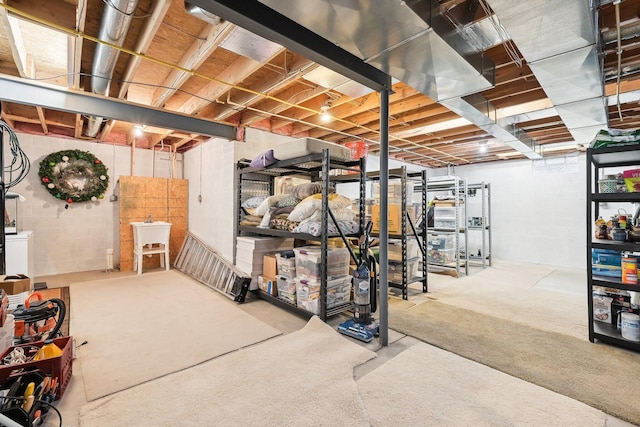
column 166, row 200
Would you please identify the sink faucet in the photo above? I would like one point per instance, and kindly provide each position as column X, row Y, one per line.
column 149, row 219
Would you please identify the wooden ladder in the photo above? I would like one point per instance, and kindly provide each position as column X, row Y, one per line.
column 204, row 264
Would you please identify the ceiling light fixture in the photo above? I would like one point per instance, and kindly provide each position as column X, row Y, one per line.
column 483, row 146
column 138, row 130
column 325, row 116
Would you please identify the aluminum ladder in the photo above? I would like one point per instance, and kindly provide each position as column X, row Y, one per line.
column 204, row 264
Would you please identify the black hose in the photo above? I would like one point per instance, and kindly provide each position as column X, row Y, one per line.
column 62, row 311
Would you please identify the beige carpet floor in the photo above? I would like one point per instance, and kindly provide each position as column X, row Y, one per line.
column 596, row 374
column 426, row 386
column 511, row 291
column 301, row 379
column 145, row 326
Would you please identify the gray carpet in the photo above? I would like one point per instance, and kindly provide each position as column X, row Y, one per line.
column 602, row 376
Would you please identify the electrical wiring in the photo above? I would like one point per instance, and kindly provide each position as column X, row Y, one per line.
column 19, row 166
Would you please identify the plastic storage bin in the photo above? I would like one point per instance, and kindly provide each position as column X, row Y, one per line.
column 445, row 217
column 395, row 270
column 441, row 256
column 308, row 293
column 444, row 223
column 308, row 262
column 395, row 249
column 338, row 291
column 286, row 284
column 441, row 241
column 286, row 266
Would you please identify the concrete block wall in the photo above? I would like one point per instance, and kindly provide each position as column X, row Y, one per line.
column 536, row 217
column 76, row 238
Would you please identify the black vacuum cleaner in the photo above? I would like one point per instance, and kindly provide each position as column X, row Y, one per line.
column 362, row 326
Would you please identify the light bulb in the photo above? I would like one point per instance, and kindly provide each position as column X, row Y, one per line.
column 139, row 130
column 325, row 116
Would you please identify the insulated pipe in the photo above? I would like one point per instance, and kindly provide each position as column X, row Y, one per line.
column 116, row 20
column 144, row 40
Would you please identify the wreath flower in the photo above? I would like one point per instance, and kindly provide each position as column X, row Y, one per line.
column 74, row 176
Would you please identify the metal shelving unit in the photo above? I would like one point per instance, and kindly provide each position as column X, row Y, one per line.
column 318, row 167
column 455, row 188
column 483, row 190
column 598, row 159
column 408, row 228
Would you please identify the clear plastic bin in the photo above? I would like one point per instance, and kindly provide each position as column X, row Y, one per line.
column 308, row 291
column 441, row 241
column 394, row 273
column 308, row 262
column 441, row 256
column 444, row 223
column 286, row 266
column 395, row 249
column 291, row 298
column 286, row 285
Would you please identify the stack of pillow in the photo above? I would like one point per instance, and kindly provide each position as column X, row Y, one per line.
column 300, row 211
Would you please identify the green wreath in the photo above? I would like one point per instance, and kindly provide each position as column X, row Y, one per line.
column 74, row 176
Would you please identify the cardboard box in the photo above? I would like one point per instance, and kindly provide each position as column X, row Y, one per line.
column 394, row 218
column 269, row 266
column 15, row 284
column 268, row 285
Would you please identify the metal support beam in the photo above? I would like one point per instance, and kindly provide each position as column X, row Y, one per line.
column 58, row 98
column 254, row 16
column 384, row 215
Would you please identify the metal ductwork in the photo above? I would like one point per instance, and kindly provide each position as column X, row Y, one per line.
column 558, row 40
column 200, row 13
column 483, row 114
column 417, row 46
column 116, row 20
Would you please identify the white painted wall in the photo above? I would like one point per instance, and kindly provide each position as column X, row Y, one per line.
column 214, row 162
column 76, row 238
column 538, row 218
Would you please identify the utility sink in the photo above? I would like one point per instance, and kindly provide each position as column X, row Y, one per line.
column 150, row 238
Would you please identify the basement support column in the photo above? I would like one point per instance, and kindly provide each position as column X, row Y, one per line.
column 3, row 240
column 384, row 216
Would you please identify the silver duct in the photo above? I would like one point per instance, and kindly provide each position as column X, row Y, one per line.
column 198, row 12
column 408, row 40
column 558, row 40
column 411, row 41
column 116, row 20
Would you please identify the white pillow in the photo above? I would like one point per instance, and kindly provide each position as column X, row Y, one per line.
column 343, row 214
column 306, row 207
column 263, row 208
